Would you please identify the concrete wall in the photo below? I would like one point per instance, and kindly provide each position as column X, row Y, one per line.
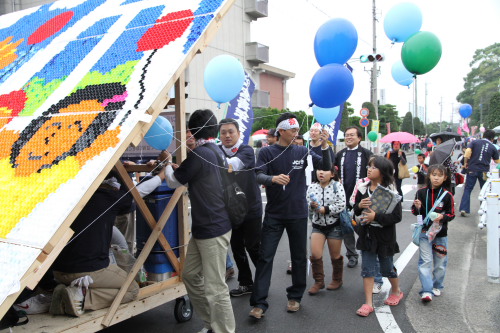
column 276, row 88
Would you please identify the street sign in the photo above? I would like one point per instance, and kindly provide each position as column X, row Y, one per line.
column 364, row 112
column 364, row 122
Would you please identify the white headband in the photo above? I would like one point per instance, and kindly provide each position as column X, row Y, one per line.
column 316, row 126
column 286, row 125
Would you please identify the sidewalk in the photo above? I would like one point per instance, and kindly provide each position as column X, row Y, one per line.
column 469, row 302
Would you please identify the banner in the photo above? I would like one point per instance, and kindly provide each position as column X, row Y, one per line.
column 334, row 127
column 376, row 125
column 240, row 109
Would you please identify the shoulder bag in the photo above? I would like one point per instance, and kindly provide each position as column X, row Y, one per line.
column 345, row 218
column 417, row 227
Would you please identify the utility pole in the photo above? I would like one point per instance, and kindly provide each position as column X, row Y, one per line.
column 374, row 74
column 441, row 115
column 425, row 110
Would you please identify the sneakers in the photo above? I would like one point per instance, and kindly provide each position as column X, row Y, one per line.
column 256, row 313
column 377, row 287
column 241, row 290
column 73, row 299
column 426, row 297
column 35, row 305
column 353, row 261
column 292, row 306
column 206, row 330
column 229, row 273
column 464, row 213
column 436, row 292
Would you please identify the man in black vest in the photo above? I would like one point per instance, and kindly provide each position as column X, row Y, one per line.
column 351, row 163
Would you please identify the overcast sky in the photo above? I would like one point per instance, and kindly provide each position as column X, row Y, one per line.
column 462, row 27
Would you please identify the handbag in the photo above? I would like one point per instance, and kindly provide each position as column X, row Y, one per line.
column 345, row 218
column 459, row 178
column 403, row 171
column 417, row 227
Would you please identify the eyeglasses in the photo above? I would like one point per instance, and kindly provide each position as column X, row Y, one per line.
column 352, row 135
column 371, row 167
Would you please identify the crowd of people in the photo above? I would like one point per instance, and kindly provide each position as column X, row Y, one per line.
column 302, row 181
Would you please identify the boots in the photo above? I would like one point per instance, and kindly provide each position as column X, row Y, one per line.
column 338, row 271
column 318, row 275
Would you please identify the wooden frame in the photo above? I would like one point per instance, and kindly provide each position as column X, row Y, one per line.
column 152, row 295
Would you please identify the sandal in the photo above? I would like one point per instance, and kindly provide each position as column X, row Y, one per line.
column 364, row 310
column 394, row 299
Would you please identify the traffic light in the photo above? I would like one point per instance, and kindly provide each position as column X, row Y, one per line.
column 371, row 57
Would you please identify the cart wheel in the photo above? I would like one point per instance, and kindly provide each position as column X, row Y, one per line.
column 183, row 309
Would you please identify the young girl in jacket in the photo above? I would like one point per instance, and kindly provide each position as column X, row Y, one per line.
column 434, row 254
column 326, row 200
column 377, row 234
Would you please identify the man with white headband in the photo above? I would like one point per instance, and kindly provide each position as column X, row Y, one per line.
column 281, row 168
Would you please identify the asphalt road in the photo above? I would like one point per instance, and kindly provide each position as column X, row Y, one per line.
column 334, row 311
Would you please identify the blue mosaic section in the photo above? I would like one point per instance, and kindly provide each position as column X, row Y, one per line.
column 146, row 17
column 27, row 25
column 99, row 28
column 66, row 61
column 129, row 2
column 208, row 6
column 124, row 49
column 199, row 25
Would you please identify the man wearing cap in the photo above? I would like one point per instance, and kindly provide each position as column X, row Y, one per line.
column 281, row 168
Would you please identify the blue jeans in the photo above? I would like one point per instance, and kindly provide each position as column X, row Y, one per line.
column 272, row 230
column 376, row 266
column 229, row 262
column 432, row 262
column 470, row 181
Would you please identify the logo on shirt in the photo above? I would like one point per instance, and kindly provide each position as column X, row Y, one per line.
column 298, row 164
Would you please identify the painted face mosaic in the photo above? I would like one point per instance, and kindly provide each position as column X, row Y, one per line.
column 76, row 76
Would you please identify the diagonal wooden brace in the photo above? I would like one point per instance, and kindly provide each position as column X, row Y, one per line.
column 148, row 216
column 155, row 233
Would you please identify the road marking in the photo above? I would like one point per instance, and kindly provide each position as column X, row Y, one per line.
column 383, row 313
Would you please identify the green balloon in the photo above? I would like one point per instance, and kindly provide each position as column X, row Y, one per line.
column 418, row 151
column 421, row 52
column 372, row 136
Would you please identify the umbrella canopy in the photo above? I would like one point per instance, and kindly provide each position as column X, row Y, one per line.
column 261, row 131
column 497, row 130
column 442, row 152
column 403, row 137
column 445, row 136
column 259, row 137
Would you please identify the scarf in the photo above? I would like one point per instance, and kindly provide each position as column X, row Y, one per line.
column 201, row 142
column 232, row 150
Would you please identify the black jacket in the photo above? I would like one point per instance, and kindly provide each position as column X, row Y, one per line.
column 446, row 207
column 375, row 239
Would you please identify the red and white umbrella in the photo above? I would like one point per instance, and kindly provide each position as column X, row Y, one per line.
column 261, row 131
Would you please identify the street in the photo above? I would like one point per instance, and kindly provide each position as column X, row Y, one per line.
column 463, row 307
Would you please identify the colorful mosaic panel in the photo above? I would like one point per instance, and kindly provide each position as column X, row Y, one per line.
column 76, row 77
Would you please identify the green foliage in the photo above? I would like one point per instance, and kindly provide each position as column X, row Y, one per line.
column 435, row 127
column 347, row 118
column 482, row 82
column 493, row 119
column 387, row 113
column 266, row 119
column 419, row 126
column 407, row 126
column 370, row 107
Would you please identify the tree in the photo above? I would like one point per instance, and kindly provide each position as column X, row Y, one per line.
column 347, row 113
column 481, row 82
column 419, row 126
column 494, row 111
column 407, row 126
column 387, row 113
column 266, row 119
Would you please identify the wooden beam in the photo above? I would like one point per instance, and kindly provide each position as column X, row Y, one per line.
column 148, row 216
column 144, row 254
column 180, row 125
column 157, row 287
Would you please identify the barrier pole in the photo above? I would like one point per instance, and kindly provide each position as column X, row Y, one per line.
column 493, row 256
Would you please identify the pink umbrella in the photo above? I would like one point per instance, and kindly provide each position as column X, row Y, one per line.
column 261, row 131
column 403, row 137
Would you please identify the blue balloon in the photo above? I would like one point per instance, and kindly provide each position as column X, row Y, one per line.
column 402, row 21
column 401, row 75
column 160, row 134
column 331, row 86
column 224, row 78
column 465, row 110
column 325, row 116
column 335, row 42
